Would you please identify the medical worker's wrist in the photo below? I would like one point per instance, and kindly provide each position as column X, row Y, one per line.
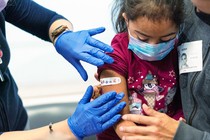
column 72, row 129
column 57, row 27
column 58, row 32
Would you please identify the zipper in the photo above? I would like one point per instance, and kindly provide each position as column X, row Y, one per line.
column 195, row 102
column 191, row 91
column 3, row 117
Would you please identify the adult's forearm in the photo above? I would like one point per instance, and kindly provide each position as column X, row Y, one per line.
column 31, row 17
column 61, row 131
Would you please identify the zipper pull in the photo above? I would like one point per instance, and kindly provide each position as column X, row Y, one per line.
column 1, row 76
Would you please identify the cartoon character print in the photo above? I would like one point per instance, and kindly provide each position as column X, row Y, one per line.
column 151, row 90
column 169, row 97
column 135, row 104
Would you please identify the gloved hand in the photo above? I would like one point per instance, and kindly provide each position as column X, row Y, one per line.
column 94, row 117
column 76, row 46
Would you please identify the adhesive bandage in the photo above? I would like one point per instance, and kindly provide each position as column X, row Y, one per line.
column 110, row 81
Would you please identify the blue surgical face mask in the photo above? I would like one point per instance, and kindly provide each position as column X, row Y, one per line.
column 151, row 52
column 3, row 4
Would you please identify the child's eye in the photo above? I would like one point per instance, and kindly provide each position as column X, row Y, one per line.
column 164, row 41
column 143, row 40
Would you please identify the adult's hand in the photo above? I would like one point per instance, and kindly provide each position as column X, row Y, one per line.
column 76, row 46
column 154, row 126
column 95, row 116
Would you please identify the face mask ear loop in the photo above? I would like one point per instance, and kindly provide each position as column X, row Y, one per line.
column 129, row 33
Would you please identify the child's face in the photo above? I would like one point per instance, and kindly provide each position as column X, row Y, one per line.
column 152, row 32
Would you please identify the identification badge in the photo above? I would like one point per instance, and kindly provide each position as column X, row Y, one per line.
column 190, row 57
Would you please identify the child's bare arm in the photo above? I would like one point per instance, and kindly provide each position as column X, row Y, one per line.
column 119, row 87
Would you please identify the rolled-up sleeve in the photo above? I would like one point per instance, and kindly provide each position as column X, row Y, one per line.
column 120, row 56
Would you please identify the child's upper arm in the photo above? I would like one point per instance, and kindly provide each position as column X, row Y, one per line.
column 120, row 87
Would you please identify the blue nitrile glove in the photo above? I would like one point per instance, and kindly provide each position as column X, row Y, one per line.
column 76, row 46
column 96, row 116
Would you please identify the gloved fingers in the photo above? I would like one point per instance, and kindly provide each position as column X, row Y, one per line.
column 95, row 56
column 76, row 63
column 96, row 31
column 101, row 55
column 86, row 57
column 98, row 44
column 109, row 105
column 113, row 111
column 87, row 96
column 111, row 122
column 79, row 68
column 103, row 99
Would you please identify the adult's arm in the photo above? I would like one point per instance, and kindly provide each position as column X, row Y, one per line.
column 42, row 133
column 89, row 118
column 32, row 17
column 73, row 46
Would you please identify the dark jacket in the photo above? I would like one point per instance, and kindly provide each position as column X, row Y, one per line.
column 35, row 19
column 195, row 86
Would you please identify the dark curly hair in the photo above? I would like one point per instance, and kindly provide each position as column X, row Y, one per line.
column 155, row 10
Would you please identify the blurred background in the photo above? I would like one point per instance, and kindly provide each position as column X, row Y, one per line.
column 41, row 73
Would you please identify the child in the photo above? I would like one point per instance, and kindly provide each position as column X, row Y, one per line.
column 145, row 58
